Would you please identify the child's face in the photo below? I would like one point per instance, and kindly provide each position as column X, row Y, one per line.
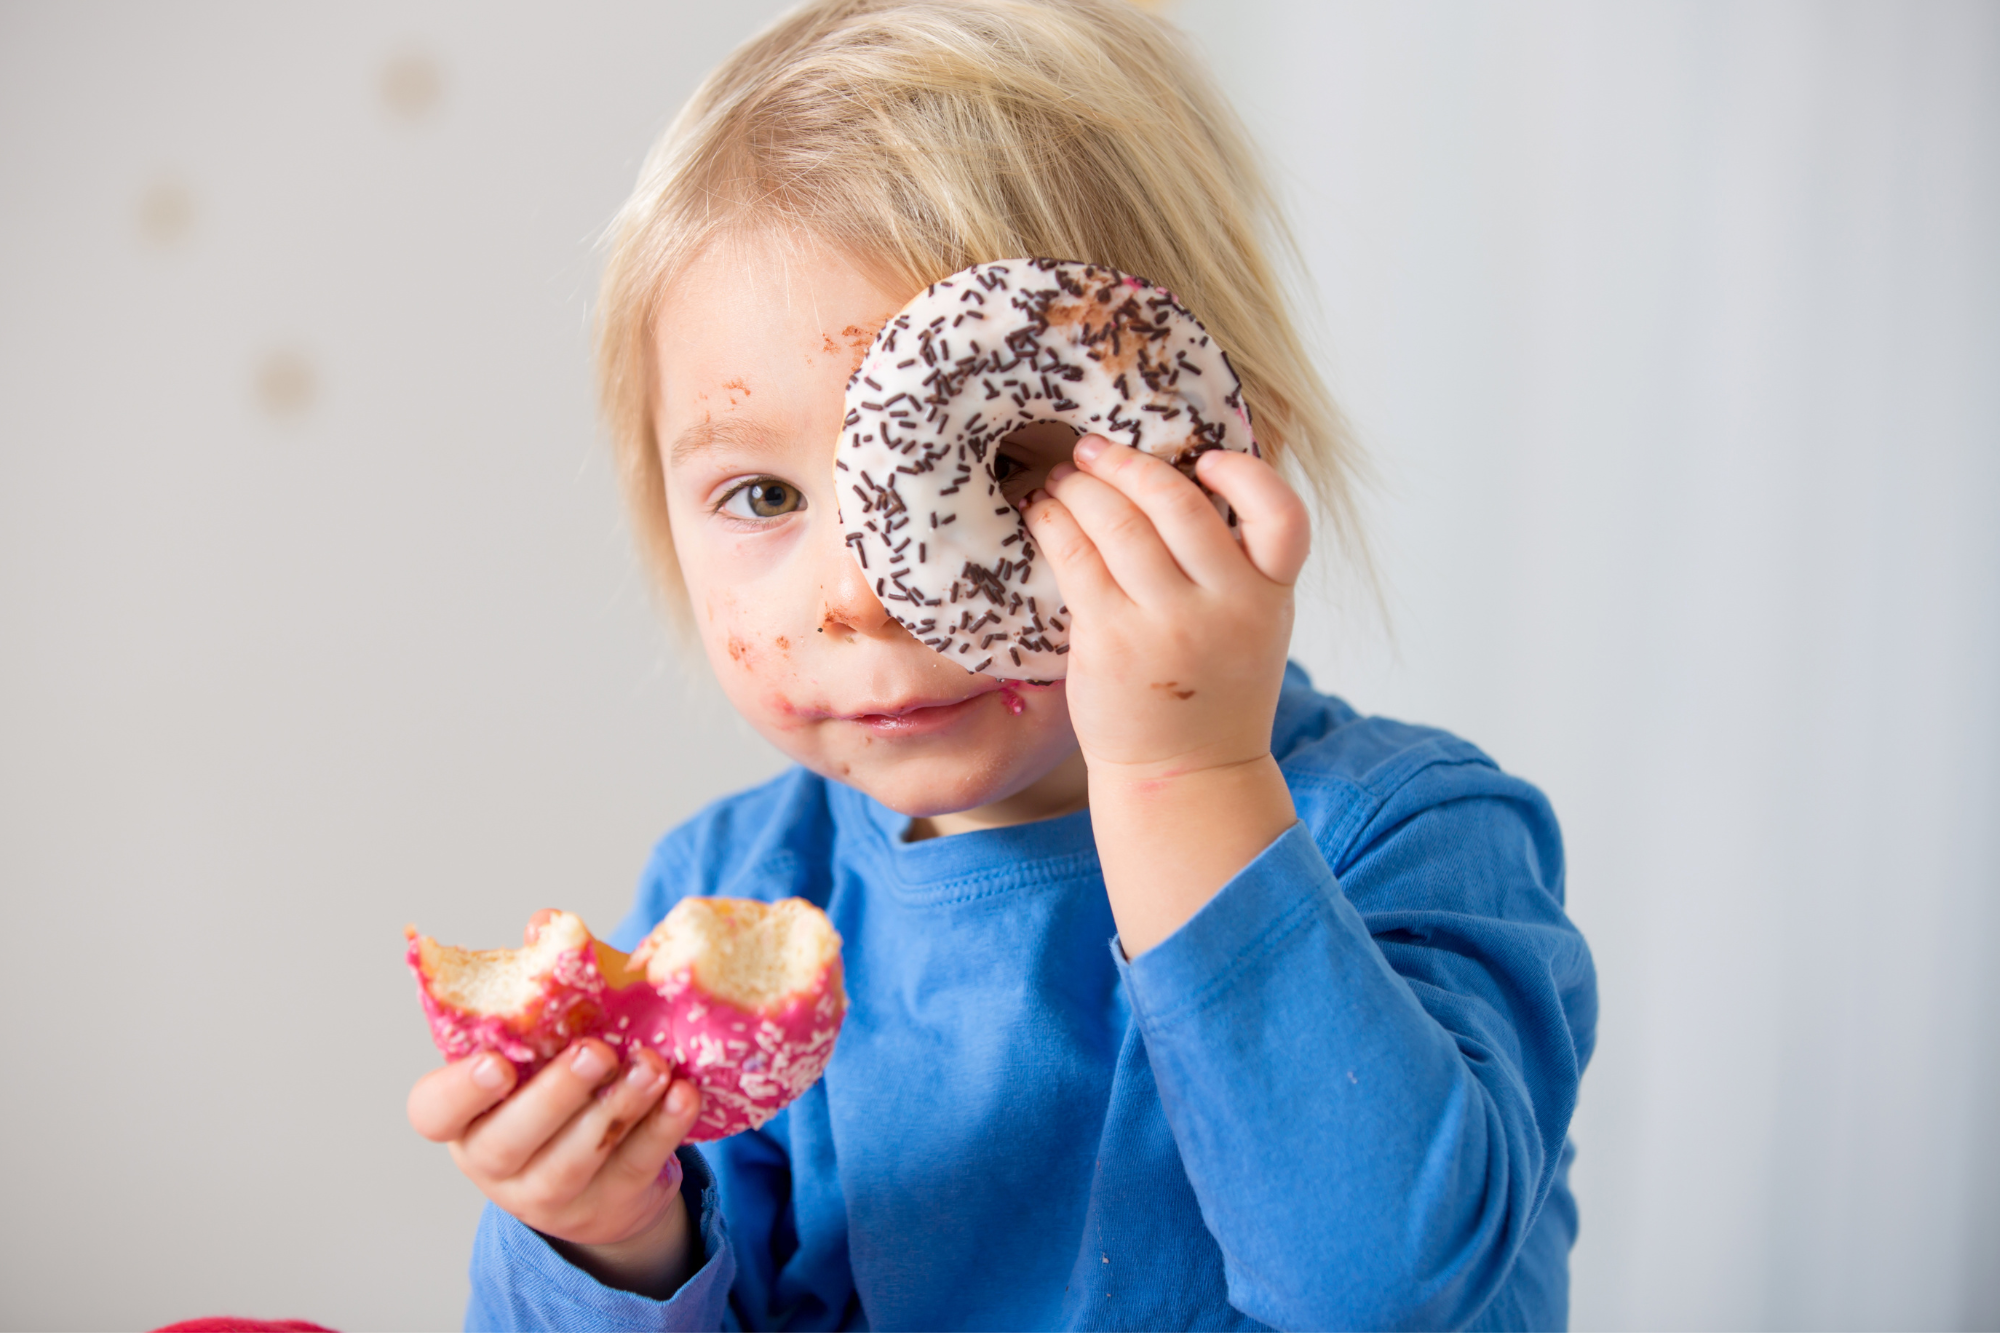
column 755, row 345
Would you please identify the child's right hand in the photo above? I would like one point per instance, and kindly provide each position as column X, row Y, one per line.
column 577, row 1154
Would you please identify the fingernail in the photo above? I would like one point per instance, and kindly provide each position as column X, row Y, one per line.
column 681, row 1100
column 1089, row 447
column 488, row 1073
column 1059, row 471
column 590, row 1063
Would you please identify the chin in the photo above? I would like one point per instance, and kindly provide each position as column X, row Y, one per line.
column 927, row 795
column 947, row 782
column 928, row 806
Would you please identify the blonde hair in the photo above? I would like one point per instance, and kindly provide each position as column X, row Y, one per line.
column 923, row 136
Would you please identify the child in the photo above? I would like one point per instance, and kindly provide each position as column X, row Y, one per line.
column 1323, row 1073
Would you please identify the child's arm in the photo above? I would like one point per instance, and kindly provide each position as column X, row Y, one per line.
column 1370, row 1079
column 1372, row 1109
column 1177, row 652
column 752, row 1273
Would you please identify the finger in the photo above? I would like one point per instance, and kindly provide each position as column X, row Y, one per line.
column 1124, row 537
column 569, row 1161
column 446, row 1100
column 1277, row 529
column 1182, row 514
column 640, row 1158
column 499, row 1145
column 1079, row 570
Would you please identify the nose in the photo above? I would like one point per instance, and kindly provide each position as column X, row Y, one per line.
column 848, row 603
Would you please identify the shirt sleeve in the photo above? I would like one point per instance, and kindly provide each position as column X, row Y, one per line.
column 1371, row 1107
column 519, row 1282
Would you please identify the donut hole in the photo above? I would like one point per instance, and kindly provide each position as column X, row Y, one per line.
column 1024, row 458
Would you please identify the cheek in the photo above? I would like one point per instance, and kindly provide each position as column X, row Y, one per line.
column 1051, row 699
column 1035, row 718
column 752, row 654
column 749, row 598
column 737, row 563
column 739, row 640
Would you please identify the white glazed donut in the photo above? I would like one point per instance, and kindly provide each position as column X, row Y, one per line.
column 976, row 357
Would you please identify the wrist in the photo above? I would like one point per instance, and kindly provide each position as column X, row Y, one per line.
column 1188, row 773
column 1170, row 835
column 653, row 1263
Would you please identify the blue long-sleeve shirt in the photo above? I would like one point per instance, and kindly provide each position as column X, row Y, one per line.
column 1336, row 1097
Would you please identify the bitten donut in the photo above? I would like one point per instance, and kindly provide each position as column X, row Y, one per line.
column 976, row 357
column 744, row 997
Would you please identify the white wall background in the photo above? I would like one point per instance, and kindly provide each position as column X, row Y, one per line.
column 1675, row 330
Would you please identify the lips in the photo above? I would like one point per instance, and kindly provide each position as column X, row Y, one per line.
column 916, row 715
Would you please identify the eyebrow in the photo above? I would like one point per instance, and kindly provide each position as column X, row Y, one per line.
column 735, row 431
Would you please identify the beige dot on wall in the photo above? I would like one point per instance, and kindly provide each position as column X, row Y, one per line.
column 285, row 384
column 166, row 213
column 411, row 85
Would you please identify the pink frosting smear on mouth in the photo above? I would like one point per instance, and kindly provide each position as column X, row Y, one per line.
column 528, row 1005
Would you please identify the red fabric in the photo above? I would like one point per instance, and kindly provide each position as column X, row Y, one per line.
column 231, row 1323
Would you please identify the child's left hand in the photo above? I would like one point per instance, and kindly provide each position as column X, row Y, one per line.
column 1179, row 633
column 1178, row 639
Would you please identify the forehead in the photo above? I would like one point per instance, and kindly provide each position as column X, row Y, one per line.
column 753, row 311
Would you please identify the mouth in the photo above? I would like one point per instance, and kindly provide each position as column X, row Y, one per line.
column 916, row 716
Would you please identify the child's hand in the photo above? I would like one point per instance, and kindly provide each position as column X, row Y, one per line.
column 1178, row 644
column 577, row 1154
column 1177, row 652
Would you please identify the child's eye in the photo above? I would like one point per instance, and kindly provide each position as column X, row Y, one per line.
column 766, row 497
column 1004, row 467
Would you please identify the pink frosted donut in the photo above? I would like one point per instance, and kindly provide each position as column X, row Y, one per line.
column 755, row 999
column 743, row 997
column 526, row 1004
column 976, row 357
